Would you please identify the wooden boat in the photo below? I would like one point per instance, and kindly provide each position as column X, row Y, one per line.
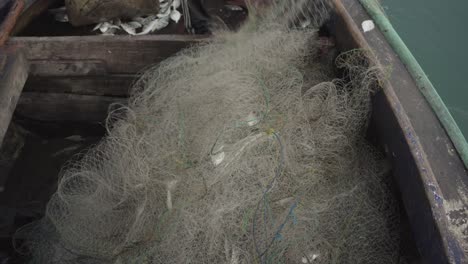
column 62, row 86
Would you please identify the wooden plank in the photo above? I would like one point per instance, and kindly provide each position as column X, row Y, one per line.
column 13, row 75
column 67, row 68
column 33, row 9
column 105, row 85
column 431, row 177
column 65, row 107
column 119, row 54
column 9, row 21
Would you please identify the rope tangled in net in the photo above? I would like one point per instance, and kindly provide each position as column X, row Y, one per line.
column 244, row 149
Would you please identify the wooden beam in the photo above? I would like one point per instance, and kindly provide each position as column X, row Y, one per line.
column 105, row 85
column 431, row 177
column 65, row 107
column 67, row 68
column 13, row 75
column 118, row 54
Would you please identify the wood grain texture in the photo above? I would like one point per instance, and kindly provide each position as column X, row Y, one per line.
column 118, row 54
column 431, row 177
column 65, row 107
column 104, row 85
column 13, row 75
column 67, row 68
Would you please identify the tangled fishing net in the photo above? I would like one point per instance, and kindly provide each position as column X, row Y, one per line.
column 243, row 149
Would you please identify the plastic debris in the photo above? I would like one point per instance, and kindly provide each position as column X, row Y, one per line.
column 170, row 188
column 218, row 157
column 253, row 119
column 175, row 16
column 131, row 27
column 154, row 25
column 234, row 8
column 310, row 258
column 147, row 24
column 305, row 23
column 141, row 25
column 368, row 25
column 108, row 28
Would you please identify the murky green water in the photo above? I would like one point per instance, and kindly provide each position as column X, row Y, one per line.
column 436, row 31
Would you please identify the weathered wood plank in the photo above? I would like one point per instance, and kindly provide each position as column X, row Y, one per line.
column 432, row 179
column 67, row 68
column 65, row 107
column 105, row 85
column 119, row 54
column 13, row 75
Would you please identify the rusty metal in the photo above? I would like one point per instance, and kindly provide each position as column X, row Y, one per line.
column 10, row 20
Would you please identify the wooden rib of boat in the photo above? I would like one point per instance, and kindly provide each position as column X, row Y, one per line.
column 60, row 85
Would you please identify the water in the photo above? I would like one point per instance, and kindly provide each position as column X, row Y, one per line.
column 436, row 32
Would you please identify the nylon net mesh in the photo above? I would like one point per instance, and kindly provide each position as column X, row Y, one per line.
column 242, row 149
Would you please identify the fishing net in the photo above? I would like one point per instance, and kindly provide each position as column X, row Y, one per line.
column 243, row 149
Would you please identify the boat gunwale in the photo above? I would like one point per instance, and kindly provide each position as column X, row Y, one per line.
column 439, row 241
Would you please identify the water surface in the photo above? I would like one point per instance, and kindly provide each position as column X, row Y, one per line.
column 436, row 32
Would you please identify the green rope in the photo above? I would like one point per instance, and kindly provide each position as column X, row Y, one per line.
column 422, row 81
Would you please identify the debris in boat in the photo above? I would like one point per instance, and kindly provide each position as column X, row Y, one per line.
column 243, row 149
column 170, row 188
column 218, row 157
column 66, row 151
column 368, row 25
column 305, row 23
column 311, row 258
column 233, row 7
column 140, row 25
column 108, row 28
column 76, row 138
column 148, row 24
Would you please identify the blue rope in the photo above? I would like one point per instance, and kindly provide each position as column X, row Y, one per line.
column 263, row 254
